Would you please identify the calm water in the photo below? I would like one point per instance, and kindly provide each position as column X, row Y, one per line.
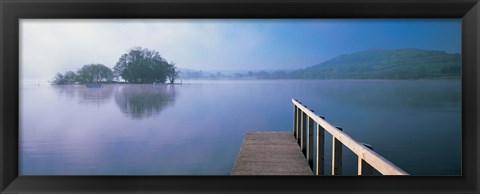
column 197, row 128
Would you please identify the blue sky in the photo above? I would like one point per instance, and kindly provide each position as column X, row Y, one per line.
column 327, row 39
column 50, row 46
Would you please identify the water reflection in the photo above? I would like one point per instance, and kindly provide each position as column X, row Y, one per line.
column 97, row 96
column 411, row 94
column 142, row 101
column 136, row 101
column 385, row 114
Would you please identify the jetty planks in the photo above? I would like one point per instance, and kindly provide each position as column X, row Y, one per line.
column 270, row 153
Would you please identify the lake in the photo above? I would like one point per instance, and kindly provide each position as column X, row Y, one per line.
column 197, row 127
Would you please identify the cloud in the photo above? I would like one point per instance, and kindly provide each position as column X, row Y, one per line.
column 50, row 46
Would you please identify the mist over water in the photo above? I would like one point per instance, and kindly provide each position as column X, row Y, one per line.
column 196, row 128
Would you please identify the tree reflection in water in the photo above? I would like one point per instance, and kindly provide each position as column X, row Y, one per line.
column 95, row 96
column 144, row 100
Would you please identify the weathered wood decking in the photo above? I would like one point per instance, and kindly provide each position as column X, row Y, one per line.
column 270, row 153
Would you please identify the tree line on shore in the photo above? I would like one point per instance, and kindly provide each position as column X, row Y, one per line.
column 397, row 64
column 139, row 65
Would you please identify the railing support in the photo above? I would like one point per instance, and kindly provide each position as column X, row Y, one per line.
column 336, row 155
column 363, row 167
column 310, row 142
column 299, row 124
column 295, row 132
column 303, row 136
column 320, row 151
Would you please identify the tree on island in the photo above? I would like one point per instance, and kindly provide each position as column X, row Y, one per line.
column 59, row 79
column 92, row 73
column 141, row 65
column 172, row 72
column 68, row 78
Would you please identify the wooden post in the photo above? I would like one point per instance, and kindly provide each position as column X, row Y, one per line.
column 310, row 142
column 299, row 123
column 304, row 134
column 295, row 109
column 300, row 131
column 320, row 151
column 336, row 155
column 363, row 167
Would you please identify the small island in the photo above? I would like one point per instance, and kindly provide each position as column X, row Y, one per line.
column 138, row 66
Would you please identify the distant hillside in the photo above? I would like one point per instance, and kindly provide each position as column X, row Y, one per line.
column 386, row 64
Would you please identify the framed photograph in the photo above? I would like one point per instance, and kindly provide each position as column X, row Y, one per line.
column 239, row 96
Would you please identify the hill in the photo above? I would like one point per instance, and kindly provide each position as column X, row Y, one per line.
column 406, row 63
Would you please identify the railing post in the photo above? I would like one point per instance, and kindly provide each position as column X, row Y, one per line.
column 299, row 124
column 304, row 134
column 336, row 155
column 363, row 167
column 295, row 109
column 300, row 127
column 310, row 142
column 320, row 150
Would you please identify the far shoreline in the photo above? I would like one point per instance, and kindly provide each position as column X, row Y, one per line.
column 188, row 81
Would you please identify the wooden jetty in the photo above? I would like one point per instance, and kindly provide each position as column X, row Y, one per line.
column 302, row 153
column 270, row 153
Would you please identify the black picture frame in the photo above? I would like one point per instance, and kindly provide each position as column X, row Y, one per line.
column 13, row 10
